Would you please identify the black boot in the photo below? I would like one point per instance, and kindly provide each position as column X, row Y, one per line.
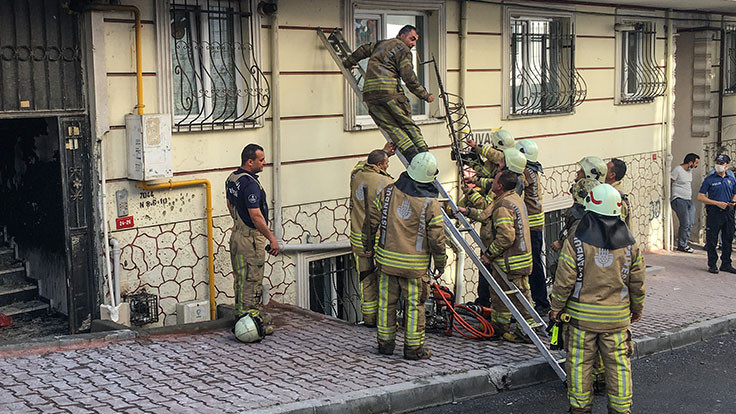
column 410, row 153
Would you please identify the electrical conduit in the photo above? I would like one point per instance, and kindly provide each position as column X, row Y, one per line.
column 276, row 127
column 210, row 249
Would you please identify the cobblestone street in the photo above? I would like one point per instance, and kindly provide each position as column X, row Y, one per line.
column 307, row 357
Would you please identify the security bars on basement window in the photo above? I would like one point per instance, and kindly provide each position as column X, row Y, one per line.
column 554, row 223
column 334, row 288
column 642, row 79
column 217, row 83
column 543, row 75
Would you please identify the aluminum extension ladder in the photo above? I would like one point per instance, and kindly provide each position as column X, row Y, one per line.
column 340, row 50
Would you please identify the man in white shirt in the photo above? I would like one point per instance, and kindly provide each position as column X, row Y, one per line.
column 682, row 203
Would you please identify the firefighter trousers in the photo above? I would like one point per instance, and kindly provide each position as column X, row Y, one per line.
column 368, row 293
column 248, row 256
column 500, row 314
column 415, row 293
column 582, row 351
column 394, row 117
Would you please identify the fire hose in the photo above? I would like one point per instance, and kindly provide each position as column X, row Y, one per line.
column 458, row 323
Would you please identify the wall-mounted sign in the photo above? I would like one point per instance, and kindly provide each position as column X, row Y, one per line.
column 124, row 222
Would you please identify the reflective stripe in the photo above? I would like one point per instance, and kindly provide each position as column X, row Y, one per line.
column 502, row 318
column 385, row 332
column 495, row 250
column 577, row 396
column 412, row 337
column 558, row 297
column 435, row 220
column 598, row 313
column 536, row 220
column 638, row 260
column 356, row 240
column 567, row 259
column 503, row 220
column 515, row 262
column 401, row 261
column 639, row 299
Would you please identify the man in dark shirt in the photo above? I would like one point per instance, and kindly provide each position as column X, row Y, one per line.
column 246, row 201
column 718, row 193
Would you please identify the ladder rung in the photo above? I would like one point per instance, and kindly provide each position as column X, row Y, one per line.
column 511, row 292
column 535, row 325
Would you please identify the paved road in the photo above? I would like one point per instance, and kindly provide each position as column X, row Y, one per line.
column 700, row 378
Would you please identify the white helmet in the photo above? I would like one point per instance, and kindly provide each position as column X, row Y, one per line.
column 604, row 200
column 249, row 328
column 594, row 168
column 423, row 167
column 529, row 149
column 502, row 139
column 515, row 160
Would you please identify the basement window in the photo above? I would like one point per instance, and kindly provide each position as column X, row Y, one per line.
column 334, row 287
column 640, row 79
column 216, row 82
column 541, row 72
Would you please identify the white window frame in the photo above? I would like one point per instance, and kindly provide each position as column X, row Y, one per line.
column 620, row 97
column 165, row 72
column 436, row 38
column 302, row 274
column 518, row 12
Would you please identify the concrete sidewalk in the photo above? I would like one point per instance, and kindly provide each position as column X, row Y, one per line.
column 316, row 364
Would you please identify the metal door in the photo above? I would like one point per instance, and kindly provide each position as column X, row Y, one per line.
column 75, row 156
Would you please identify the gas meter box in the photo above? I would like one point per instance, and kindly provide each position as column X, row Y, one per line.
column 149, row 146
column 192, row 311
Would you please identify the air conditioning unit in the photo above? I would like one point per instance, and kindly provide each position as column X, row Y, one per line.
column 149, row 146
column 192, row 311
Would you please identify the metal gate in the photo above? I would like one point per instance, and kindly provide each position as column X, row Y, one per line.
column 40, row 58
column 76, row 167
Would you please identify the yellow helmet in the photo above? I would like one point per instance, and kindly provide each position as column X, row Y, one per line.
column 515, row 160
column 529, row 149
column 502, row 139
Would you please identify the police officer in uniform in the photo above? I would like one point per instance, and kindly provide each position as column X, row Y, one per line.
column 407, row 226
column 246, row 201
column 391, row 62
column 368, row 178
column 600, row 285
column 718, row 193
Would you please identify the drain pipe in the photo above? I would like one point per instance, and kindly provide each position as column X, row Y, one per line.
column 463, row 47
column 278, row 230
column 115, row 244
column 103, row 202
column 459, row 266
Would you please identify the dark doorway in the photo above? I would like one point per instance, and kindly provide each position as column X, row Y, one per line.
column 32, row 268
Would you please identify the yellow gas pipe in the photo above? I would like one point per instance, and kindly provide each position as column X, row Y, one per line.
column 210, row 249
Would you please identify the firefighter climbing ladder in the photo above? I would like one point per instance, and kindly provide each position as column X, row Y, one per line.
column 339, row 50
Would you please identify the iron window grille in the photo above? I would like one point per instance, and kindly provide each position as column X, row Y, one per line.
column 554, row 223
column 543, row 76
column 217, row 83
column 642, row 79
column 730, row 60
column 334, row 288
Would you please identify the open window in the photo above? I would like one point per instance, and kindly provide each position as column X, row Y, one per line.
column 373, row 21
column 540, row 72
column 214, row 81
column 639, row 77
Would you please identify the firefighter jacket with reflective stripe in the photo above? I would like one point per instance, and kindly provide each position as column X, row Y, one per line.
column 408, row 231
column 599, row 288
column 364, row 178
column 510, row 246
column 489, row 169
column 477, row 199
column 484, row 217
column 390, row 61
column 533, row 199
column 625, row 204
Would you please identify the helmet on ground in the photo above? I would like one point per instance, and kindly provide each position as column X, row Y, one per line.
column 423, row 167
column 594, row 168
column 604, row 200
column 502, row 139
column 582, row 188
column 529, row 149
column 515, row 160
column 249, row 328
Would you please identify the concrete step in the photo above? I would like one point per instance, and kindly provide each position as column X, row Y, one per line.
column 31, row 308
column 23, row 292
column 12, row 274
column 7, row 256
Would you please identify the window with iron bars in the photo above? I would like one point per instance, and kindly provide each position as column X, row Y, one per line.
column 334, row 288
column 543, row 79
column 729, row 60
column 217, row 83
column 554, row 223
column 641, row 79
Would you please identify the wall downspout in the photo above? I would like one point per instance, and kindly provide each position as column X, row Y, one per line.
column 460, row 253
column 721, row 83
column 115, row 245
column 276, row 128
column 668, row 130
column 210, row 249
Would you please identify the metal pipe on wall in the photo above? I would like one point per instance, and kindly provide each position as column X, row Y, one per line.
column 115, row 245
column 208, row 210
column 276, row 127
column 667, row 131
